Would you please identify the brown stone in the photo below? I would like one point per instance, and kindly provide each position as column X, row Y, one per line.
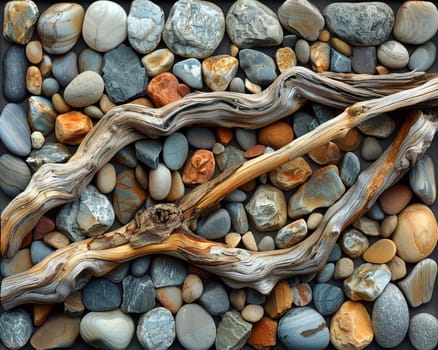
column 397, row 266
column 324, row 35
column 276, row 135
column 34, row 80
column 279, row 300
column 416, row 233
column 328, row 153
column 163, row 89
column 285, row 58
column 263, row 334
column 394, row 199
column 20, row 262
column 341, row 46
column 34, row 52
column 142, row 101
column 59, row 104
column 73, row 305
column 71, row 127
column 382, row 70
column 43, row 226
column 40, row 313
column 105, row 103
column 232, row 239
column 224, row 135
column 199, row 168
column 350, row 327
column 249, row 242
column 380, row 252
column 254, row 151
column 249, row 186
column 350, row 141
column 27, row 241
column 56, row 240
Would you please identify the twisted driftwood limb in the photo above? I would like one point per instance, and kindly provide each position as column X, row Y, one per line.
column 69, row 268
column 56, row 184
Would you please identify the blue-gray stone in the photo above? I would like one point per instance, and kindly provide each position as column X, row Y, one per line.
column 90, row 60
column 156, row 329
column 101, row 294
column 215, row 225
column 371, row 149
column 423, row 57
column 302, row 123
column 190, row 72
column 327, row 298
column 335, row 254
column 39, row 251
column 119, row 273
column 14, row 74
column 303, row 328
column 201, row 137
column 148, row 152
column 214, row 298
column 423, row 331
column 326, row 273
column 339, row 62
column 237, row 85
column 20, row 19
column 239, row 219
column 123, row 74
column 175, row 151
column 258, row 66
column 15, row 328
column 14, row 175
column 49, row 153
column 350, row 169
column 232, row 332
column 138, row 294
column 230, row 157
column 380, row 126
column 302, row 51
column 15, row 130
column 50, row 87
column 322, row 113
column 364, row 59
column 390, row 317
column 360, row 24
column 126, row 157
column 65, row 68
column 422, row 179
column 145, row 25
column 237, row 196
column 254, row 297
column 167, row 271
column 41, row 114
column 246, row 138
column 290, row 40
column 376, row 212
column 140, row 265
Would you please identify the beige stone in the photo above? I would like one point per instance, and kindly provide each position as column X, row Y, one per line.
column 388, row 225
column 397, row 266
column 341, row 46
column 232, row 239
column 380, row 252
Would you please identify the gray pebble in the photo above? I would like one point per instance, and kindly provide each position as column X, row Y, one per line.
column 190, row 72
column 237, row 85
column 14, row 175
column 258, row 66
column 290, row 40
column 239, row 220
column 167, row 271
column 49, row 153
column 140, row 265
column 119, row 273
column 201, row 137
column 148, row 152
column 175, row 151
column 350, row 168
column 423, row 331
column 229, row 157
column 302, row 51
column 232, row 332
column 246, row 138
column 364, row 59
column 15, row 328
column 376, row 212
column 322, row 113
column 126, row 157
column 65, row 68
column 85, row 89
column 393, row 54
column 156, row 329
column 254, row 297
column 90, row 60
column 50, row 87
column 93, row 112
column 354, row 243
column 215, row 225
column 326, row 273
column 101, row 294
column 266, row 243
column 214, row 298
column 138, row 294
column 237, row 196
column 371, row 149
column 302, row 123
column 15, row 130
column 422, row 179
column 335, row 254
column 14, row 73
column 382, row 126
column 327, row 298
column 39, row 251
column 339, row 62
column 422, row 57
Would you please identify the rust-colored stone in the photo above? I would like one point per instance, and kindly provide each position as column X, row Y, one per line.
column 27, row 241
column 249, row 186
column 254, row 151
column 163, row 89
column 43, row 226
column 263, row 334
column 395, row 198
column 291, row 174
column 40, row 313
column 276, row 135
column 279, row 300
column 350, row 141
column 199, row 168
column 328, row 153
column 183, row 89
column 71, row 127
column 224, row 135
column 34, row 80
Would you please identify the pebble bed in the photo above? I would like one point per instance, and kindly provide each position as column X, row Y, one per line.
column 66, row 65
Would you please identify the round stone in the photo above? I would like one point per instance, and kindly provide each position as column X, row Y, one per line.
column 50, row 87
column 276, row 135
column 15, row 328
column 354, row 243
column 215, row 225
column 423, row 331
column 170, row 298
column 393, row 54
column 84, row 90
column 344, row 268
column 302, row 51
column 371, row 149
column 106, row 178
column 156, row 329
column 252, row 313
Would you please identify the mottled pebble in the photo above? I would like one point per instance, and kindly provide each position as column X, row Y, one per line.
column 156, row 329
column 320, row 56
column 291, row 234
column 422, row 179
column 34, row 51
column 328, row 153
column 14, row 175
column 302, row 294
column 34, row 80
column 45, row 65
column 350, row 142
column 258, row 67
column 354, row 243
column 232, row 332
column 72, row 127
column 263, row 334
column 41, row 115
column 170, row 298
column 15, row 328
column 15, row 130
column 19, row 20
column 285, row 58
column 327, row 298
column 397, row 266
column 344, row 268
column 56, row 240
column 14, row 73
column 199, row 168
column 158, row 62
column 423, row 331
column 218, row 71
column 167, row 271
column 368, row 226
column 101, row 294
column 49, row 153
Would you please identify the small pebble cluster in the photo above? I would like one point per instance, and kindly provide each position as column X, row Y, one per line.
column 66, row 66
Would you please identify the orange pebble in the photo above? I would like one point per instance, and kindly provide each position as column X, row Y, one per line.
column 276, row 135
column 71, row 127
column 254, row 151
column 163, row 89
column 199, row 168
column 263, row 334
column 224, row 135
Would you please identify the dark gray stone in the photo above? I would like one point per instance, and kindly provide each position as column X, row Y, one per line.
column 290, row 40
column 126, row 157
column 335, row 254
column 39, row 251
column 138, row 294
column 119, row 273
column 258, row 66
column 375, row 212
column 302, row 123
column 327, row 298
column 215, row 225
column 50, row 87
column 364, row 59
column 246, row 138
column 14, row 73
column 49, row 153
column 14, row 175
column 254, row 297
column 350, row 169
column 239, row 220
column 230, row 157
column 167, row 271
column 237, row 196
column 371, row 149
column 322, row 113
column 15, row 328
column 201, row 137
column 15, row 130
column 124, row 76
column 148, row 152
column 156, row 329
column 101, row 294
column 65, row 68
column 339, row 62
column 214, row 298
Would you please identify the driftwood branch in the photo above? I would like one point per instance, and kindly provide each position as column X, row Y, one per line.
column 56, row 184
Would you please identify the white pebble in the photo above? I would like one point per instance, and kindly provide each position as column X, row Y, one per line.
column 37, row 139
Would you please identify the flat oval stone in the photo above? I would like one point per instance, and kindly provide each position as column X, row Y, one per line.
column 422, row 57
column 215, row 225
column 423, row 331
column 49, row 153
column 14, row 73
column 15, row 328
column 395, row 198
column 101, row 294
column 393, row 54
column 422, row 179
column 360, row 24
column 214, row 298
column 251, row 23
column 325, row 274
column 156, row 329
column 416, row 22
column 39, row 251
column 50, row 87
column 371, row 149
column 112, row 330
column 245, row 138
column 14, row 130
column 397, row 266
column 291, row 174
column 258, row 66
column 382, row 126
column 170, row 298
column 233, row 331
column 276, row 135
column 194, row 29
column 195, row 328
column 41, row 115
column 239, row 219
column 350, row 168
column 160, row 182
column 190, row 72
column 380, row 252
column 390, row 317
column 218, row 71
column 106, row 178
column 354, row 243
column 20, row 18
column 84, row 90
column 200, row 137
column 291, row 234
column 302, row 18
column 90, row 60
column 285, row 58
column 14, row 175
column 327, row 298
column 302, row 50
column 175, row 151
column 65, row 68
column 145, row 24
column 59, row 27
column 303, row 328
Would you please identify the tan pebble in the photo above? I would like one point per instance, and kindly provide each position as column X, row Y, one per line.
column 380, row 252
column 40, row 313
column 397, row 266
column 234, row 50
column 106, row 178
column 350, row 142
column 249, row 242
column 34, row 80
column 382, row 70
column 285, row 58
column 291, row 174
column 177, row 188
column 20, row 262
column 320, row 56
column 71, row 127
column 344, row 268
column 232, row 239
column 59, row 331
column 314, row 220
column 192, row 288
column 93, row 112
column 37, row 138
column 199, row 168
column 276, row 135
column 73, row 305
column 59, row 104
column 142, row 177
column 388, row 225
column 263, row 334
column 34, row 51
column 252, row 87
column 56, row 240
column 351, row 327
column 238, row 298
column 328, row 153
column 142, row 101
column 324, row 35
column 395, row 198
column 170, row 298
column 252, row 313
column 218, row 71
column 416, row 233
column 158, row 61
column 341, row 46
column 45, row 65
column 106, row 104
column 279, row 301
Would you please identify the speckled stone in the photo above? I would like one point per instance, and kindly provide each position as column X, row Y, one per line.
column 14, row 73
column 350, row 168
column 258, row 67
column 423, row 57
column 15, row 130
column 364, row 59
column 138, row 294
column 320, row 56
column 250, row 23
column 229, row 157
column 15, row 328
column 422, row 179
column 327, row 298
column 194, row 29
column 101, row 294
column 190, row 72
column 19, row 20
column 41, row 115
column 50, row 87
column 167, row 271
column 232, row 332
column 368, row 226
column 214, row 298
column 14, row 175
column 156, row 329
column 218, row 71
column 423, row 331
column 390, row 317
column 84, row 90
